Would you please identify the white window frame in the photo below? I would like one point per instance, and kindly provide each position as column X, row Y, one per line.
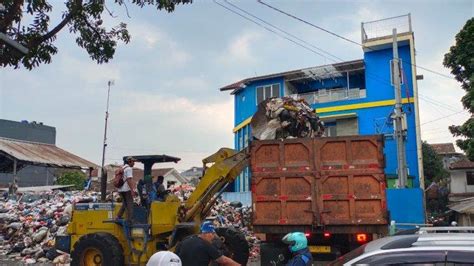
column 271, row 91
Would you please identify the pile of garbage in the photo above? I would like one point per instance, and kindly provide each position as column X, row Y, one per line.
column 29, row 225
column 282, row 118
column 233, row 214
column 228, row 214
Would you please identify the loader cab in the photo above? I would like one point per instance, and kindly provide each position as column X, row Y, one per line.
column 142, row 212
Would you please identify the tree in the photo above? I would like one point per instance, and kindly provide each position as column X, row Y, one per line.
column 460, row 59
column 82, row 18
column 432, row 165
column 434, row 172
column 76, row 178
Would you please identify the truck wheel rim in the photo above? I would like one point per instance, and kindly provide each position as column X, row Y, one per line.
column 92, row 256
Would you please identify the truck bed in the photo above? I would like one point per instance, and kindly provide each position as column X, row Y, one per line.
column 335, row 182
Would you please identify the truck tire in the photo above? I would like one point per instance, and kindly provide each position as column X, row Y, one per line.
column 270, row 253
column 97, row 249
column 235, row 246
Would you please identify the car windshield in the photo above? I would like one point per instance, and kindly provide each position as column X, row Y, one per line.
column 349, row 256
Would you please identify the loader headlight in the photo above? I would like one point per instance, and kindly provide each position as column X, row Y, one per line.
column 138, row 232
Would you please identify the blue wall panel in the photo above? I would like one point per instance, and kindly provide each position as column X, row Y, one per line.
column 406, row 205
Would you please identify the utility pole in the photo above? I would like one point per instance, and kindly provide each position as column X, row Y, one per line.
column 16, row 45
column 399, row 116
column 103, row 181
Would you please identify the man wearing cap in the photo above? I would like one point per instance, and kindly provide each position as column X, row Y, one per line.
column 127, row 191
column 198, row 250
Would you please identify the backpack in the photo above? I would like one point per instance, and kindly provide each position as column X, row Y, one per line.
column 118, row 178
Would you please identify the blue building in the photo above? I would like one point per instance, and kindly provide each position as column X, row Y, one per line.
column 352, row 98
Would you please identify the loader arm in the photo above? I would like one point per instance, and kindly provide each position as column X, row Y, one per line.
column 227, row 164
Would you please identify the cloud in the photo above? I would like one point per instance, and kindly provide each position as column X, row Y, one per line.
column 153, row 39
column 152, row 123
column 239, row 50
column 188, row 83
column 439, row 98
column 87, row 72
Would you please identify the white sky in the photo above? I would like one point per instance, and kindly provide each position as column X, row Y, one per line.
column 166, row 100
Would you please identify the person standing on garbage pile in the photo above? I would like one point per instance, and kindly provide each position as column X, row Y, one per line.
column 197, row 250
column 298, row 245
column 127, row 191
column 164, row 258
column 10, row 189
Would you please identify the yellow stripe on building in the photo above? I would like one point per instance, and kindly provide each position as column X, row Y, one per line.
column 340, row 108
column 243, row 124
column 360, row 106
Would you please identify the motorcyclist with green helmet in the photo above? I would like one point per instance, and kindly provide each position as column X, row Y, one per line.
column 298, row 245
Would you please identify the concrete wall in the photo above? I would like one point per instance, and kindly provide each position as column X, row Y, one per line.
column 30, row 176
column 465, row 219
column 458, row 182
column 27, row 131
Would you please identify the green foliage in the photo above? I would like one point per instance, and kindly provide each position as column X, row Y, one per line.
column 75, row 178
column 432, row 166
column 434, row 172
column 82, row 18
column 460, row 59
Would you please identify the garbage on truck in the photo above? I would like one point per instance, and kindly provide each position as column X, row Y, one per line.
column 283, row 118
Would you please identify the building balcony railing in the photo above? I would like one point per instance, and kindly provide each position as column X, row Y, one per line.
column 331, row 95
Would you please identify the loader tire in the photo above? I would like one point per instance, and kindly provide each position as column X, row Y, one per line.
column 236, row 246
column 97, row 249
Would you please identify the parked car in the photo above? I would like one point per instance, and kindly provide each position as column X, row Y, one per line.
column 426, row 246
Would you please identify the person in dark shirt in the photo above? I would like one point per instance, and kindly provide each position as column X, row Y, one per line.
column 160, row 188
column 197, row 250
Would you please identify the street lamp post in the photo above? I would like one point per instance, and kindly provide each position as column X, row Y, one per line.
column 103, row 181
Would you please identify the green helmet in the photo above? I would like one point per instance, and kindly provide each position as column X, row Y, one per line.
column 296, row 240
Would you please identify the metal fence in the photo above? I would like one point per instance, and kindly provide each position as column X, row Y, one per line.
column 331, row 95
column 384, row 27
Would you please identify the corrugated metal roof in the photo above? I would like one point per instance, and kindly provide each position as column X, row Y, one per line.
column 314, row 73
column 38, row 154
column 464, row 206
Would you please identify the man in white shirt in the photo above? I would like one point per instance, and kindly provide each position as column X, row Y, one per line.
column 128, row 190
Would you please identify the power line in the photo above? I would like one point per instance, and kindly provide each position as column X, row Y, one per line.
column 268, row 29
column 434, row 100
column 286, row 32
column 328, row 53
column 437, row 104
column 341, row 60
column 340, row 36
column 372, row 75
column 443, row 117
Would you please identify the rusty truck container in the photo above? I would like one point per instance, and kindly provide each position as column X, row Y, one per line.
column 334, row 184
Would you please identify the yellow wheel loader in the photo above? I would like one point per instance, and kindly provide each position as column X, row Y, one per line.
column 94, row 237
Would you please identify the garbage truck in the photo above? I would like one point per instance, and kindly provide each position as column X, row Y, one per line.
column 330, row 188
